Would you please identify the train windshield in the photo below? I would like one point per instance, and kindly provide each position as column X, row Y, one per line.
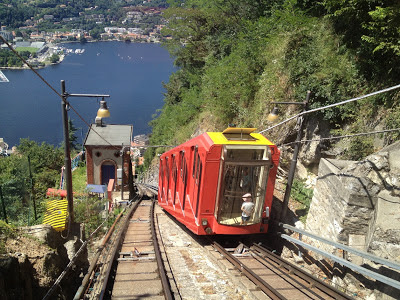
column 244, row 170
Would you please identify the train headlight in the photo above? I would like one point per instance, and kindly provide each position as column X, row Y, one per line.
column 208, row 230
column 204, row 222
column 267, row 212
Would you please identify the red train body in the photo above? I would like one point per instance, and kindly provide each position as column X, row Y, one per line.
column 201, row 182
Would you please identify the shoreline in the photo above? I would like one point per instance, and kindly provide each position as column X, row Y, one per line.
column 36, row 68
column 63, row 55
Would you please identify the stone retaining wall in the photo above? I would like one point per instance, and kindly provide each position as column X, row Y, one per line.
column 358, row 204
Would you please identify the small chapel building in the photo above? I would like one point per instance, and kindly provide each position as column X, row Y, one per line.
column 107, row 150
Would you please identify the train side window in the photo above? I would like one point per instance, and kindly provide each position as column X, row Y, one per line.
column 182, row 154
column 197, row 168
column 198, row 181
column 162, row 173
column 174, row 168
column 184, row 179
column 174, row 174
column 194, row 160
column 167, row 173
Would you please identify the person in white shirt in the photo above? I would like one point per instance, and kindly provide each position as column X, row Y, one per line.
column 247, row 208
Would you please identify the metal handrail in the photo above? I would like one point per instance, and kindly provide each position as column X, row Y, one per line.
column 359, row 269
column 363, row 254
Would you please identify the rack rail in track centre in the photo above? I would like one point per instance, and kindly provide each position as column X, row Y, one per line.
column 276, row 277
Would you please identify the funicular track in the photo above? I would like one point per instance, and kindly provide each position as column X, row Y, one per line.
column 140, row 271
column 129, row 263
column 134, row 267
column 276, row 277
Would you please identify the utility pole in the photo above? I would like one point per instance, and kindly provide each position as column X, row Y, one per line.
column 300, row 124
column 67, row 153
column 3, row 206
column 30, row 195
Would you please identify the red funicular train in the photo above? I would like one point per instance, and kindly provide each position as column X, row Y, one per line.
column 201, row 182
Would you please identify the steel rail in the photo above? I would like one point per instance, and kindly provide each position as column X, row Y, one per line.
column 142, row 187
column 116, row 247
column 85, row 280
column 264, row 286
column 318, row 283
column 343, row 262
column 363, row 254
column 161, row 267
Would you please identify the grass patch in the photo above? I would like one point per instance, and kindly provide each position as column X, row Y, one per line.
column 302, row 195
column 29, row 49
column 79, row 179
column 6, row 231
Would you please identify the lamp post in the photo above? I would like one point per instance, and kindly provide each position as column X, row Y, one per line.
column 103, row 112
column 300, row 124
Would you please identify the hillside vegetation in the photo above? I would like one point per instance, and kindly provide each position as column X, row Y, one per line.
column 235, row 57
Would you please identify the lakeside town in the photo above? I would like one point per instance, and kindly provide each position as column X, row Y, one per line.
column 41, row 47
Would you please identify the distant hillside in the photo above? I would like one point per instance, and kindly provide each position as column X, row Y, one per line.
column 15, row 13
column 236, row 57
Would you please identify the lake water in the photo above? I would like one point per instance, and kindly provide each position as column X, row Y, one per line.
column 132, row 74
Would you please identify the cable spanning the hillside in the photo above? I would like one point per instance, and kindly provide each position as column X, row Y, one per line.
column 54, row 90
column 333, row 105
column 342, row 136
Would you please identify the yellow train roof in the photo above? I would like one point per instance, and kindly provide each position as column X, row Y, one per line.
column 235, row 135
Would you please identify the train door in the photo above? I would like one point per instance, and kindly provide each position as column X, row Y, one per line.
column 245, row 170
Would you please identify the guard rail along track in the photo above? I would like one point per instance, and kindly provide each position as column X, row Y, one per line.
column 276, row 277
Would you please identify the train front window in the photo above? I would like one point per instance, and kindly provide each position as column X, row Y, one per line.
column 244, row 169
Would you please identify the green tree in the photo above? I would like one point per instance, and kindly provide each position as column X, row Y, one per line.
column 371, row 28
column 95, row 33
column 73, row 139
column 54, row 58
column 46, row 162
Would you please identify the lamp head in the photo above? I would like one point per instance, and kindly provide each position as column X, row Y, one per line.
column 103, row 111
column 273, row 115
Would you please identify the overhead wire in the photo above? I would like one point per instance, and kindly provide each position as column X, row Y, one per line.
column 332, row 105
column 342, row 136
column 55, row 91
